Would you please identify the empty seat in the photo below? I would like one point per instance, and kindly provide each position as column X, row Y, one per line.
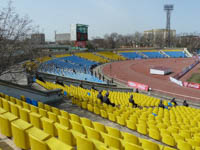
column 149, row 145
column 64, row 121
column 33, row 109
column 48, row 126
column 112, row 141
column 55, row 144
column 75, row 118
column 114, row 132
column 86, row 122
column 5, row 123
column 169, row 140
column 55, row 110
column 130, row 138
column 64, row 134
column 104, row 114
column 99, row 127
column 43, row 112
column 153, row 133
column 93, row 134
column 6, row 105
column 35, row 120
column 37, row 138
column 184, row 145
column 52, row 116
column 131, row 146
column 64, row 114
column 84, row 144
column 24, row 114
column 14, row 109
column 20, row 135
column 131, row 124
column 77, row 127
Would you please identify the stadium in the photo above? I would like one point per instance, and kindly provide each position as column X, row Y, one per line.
column 123, row 91
column 71, row 121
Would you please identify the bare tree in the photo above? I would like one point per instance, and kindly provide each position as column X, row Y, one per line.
column 15, row 45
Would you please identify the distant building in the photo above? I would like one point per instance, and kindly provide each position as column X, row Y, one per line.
column 38, row 38
column 159, row 33
column 62, row 38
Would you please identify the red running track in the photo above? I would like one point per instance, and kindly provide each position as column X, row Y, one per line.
column 138, row 71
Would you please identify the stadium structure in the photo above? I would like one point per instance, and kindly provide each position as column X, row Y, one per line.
column 41, row 123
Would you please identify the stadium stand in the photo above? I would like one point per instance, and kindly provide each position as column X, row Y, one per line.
column 111, row 56
column 173, row 126
column 92, row 57
column 153, row 54
column 131, row 55
column 175, row 53
column 71, row 67
column 46, row 127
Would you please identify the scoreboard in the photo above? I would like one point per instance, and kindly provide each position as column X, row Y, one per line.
column 79, row 32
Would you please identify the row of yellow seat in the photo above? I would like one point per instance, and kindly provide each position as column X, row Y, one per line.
column 62, row 55
column 171, row 126
column 92, row 57
column 21, row 120
column 111, row 55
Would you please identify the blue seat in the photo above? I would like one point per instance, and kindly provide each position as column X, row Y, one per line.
column 28, row 100
column 34, row 102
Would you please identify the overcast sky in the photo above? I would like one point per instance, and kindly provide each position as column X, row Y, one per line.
column 107, row 16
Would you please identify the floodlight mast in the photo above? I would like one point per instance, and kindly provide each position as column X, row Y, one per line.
column 168, row 9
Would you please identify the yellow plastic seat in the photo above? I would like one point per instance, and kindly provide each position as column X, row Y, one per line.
column 14, row 109
column 43, row 112
column 99, row 127
column 55, row 110
column 64, row 121
column 24, row 114
column 35, row 120
column 193, row 143
column 6, row 105
column 77, row 127
column 93, row 134
column 146, row 144
column 131, row 124
column 84, row 144
column 37, row 138
column 75, row 118
column 154, row 134
column 36, row 144
column 111, row 117
column 131, row 146
column 121, row 120
column 52, row 116
column 104, row 114
column 55, row 144
column 96, row 110
column 184, row 145
column 113, row 132
column 19, row 102
column 65, row 114
column 47, row 107
column 40, row 105
column 84, row 105
column 142, row 129
column 26, row 105
column 48, row 126
column 112, row 141
column 86, row 122
column 20, row 135
column 33, row 109
column 5, row 123
column 130, row 138
column 64, row 134
column 2, row 111
column 169, row 140
column 90, row 107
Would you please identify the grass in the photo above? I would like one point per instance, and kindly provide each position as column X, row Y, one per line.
column 194, row 78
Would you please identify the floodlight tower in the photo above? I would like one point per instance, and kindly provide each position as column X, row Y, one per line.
column 168, row 9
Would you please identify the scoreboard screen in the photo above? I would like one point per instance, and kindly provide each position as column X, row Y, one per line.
column 82, row 32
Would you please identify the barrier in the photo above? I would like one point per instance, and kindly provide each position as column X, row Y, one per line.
column 191, row 85
column 137, row 85
column 174, row 80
